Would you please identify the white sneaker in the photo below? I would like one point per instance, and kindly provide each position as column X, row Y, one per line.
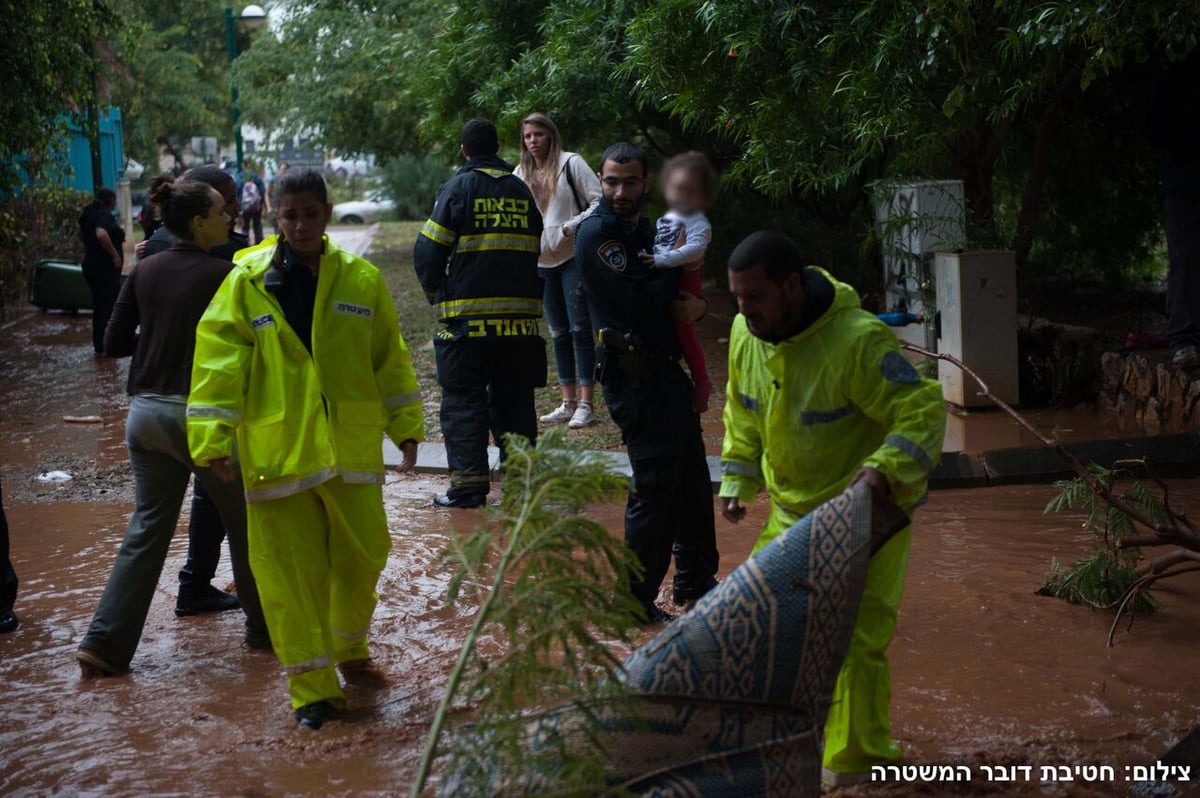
column 564, row 412
column 583, row 417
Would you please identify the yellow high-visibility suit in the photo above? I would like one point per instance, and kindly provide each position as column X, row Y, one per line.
column 309, row 433
column 802, row 417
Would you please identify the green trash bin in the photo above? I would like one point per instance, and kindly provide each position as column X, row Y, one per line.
column 59, row 285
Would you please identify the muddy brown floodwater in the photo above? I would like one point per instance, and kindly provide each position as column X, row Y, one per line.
column 986, row 673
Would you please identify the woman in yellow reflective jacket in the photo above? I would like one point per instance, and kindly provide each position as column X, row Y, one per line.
column 820, row 396
column 301, row 365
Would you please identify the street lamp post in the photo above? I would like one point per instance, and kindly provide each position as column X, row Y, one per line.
column 252, row 16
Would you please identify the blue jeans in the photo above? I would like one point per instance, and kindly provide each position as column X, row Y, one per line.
column 570, row 326
column 156, row 435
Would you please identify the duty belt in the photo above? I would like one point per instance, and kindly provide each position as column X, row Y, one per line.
column 626, row 352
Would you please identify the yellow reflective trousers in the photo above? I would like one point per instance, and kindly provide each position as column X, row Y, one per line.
column 317, row 556
column 858, row 731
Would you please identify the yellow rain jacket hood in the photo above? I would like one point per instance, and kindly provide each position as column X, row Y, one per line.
column 804, row 415
column 301, row 420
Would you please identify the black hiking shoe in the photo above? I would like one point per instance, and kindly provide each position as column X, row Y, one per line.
column 655, row 615
column 314, row 716
column 205, row 599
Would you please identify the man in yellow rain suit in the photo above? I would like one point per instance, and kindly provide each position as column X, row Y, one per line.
column 819, row 397
column 299, row 359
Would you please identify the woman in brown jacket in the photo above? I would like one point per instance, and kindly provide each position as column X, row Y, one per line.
column 155, row 321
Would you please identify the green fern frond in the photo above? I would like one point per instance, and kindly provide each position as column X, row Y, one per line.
column 1102, row 579
column 553, row 594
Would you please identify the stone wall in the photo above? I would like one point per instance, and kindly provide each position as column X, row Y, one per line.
column 1148, row 394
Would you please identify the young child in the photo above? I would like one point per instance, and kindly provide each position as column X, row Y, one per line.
column 681, row 238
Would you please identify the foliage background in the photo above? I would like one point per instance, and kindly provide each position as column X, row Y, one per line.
column 41, row 223
column 1037, row 107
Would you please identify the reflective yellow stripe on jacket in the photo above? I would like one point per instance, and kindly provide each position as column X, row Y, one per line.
column 495, row 242
column 489, row 306
column 438, row 234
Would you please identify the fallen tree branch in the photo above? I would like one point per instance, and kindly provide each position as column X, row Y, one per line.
column 1160, row 564
column 1165, row 532
column 1166, row 492
column 1134, row 589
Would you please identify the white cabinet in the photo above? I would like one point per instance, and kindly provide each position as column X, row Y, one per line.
column 977, row 300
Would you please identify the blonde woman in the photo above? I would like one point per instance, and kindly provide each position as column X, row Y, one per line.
column 566, row 190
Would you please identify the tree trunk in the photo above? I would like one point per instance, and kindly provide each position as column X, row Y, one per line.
column 975, row 154
column 1039, row 172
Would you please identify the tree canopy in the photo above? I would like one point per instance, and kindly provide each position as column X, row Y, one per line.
column 172, row 79
column 804, row 105
column 341, row 71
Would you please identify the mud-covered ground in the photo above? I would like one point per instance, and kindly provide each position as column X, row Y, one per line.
column 986, row 673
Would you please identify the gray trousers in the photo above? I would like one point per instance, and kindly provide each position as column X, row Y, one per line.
column 1183, row 278
column 156, row 435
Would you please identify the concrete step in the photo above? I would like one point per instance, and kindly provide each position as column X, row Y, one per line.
column 1168, row 456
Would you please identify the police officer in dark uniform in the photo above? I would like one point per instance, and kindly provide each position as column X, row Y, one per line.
column 670, row 506
column 476, row 258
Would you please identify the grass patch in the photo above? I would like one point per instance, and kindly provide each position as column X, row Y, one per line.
column 391, row 251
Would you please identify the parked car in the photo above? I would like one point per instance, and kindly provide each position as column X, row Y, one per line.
column 372, row 208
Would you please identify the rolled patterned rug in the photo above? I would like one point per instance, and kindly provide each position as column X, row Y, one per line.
column 736, row 691
column 731, row 698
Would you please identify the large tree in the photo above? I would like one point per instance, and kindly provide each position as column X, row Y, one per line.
column 342, row 72
column 173, row 79
column 824, row 95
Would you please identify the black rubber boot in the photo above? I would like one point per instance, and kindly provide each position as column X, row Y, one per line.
column 463, row 501
column 314, row 716
column 687, row 597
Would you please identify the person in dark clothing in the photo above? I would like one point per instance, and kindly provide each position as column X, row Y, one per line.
column 147, row 217
column 477, row 258
column 8, row 578
column 634, row 307
column 205, row 531
column 103, row 257
column 155, row 320
column 252, row 195
column 273, row 195
column 224, row 183
column 1174, row 126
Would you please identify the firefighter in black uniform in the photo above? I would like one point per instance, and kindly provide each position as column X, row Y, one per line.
column 476, row 258
column 670, row 505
